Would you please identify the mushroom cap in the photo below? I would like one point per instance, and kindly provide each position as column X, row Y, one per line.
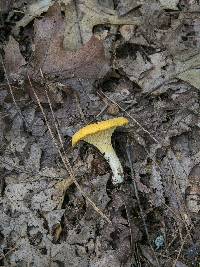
column 97, row 127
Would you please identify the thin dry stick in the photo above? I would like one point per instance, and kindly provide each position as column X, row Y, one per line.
column 65, row 160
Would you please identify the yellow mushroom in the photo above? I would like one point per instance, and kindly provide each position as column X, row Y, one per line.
column 99, row 134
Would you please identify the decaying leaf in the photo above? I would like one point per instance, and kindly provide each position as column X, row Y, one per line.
column 135, row 69
column 108, row 259
column 158, row 189
column 46, row 195
column 124, row 7
column 131, row 34
column 169, row 4
column 53, row 219
column 191, row 76
column 88, row 13
column 55, row 61
column 61, row 188
column 192, row 62
column 182, row 37
column 181, row 168
column 33, row 10
column 14, row 60
column 98, row 191
column 148, row 74
column 188, row 70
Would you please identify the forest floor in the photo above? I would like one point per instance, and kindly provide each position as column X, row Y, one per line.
column 65, row 64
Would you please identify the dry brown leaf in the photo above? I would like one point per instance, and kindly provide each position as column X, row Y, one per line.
column 32, row 11
column 55, row 62
column 169, row 4
column 81, row 17
column 13, row 58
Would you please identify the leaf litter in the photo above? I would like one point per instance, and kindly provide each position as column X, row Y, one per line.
column 88, row 61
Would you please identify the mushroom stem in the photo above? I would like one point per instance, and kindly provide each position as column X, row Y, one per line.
column 102, row 141
column 115, row 165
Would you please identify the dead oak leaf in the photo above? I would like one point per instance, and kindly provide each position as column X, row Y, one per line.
column 55, row 62
column 83, row 16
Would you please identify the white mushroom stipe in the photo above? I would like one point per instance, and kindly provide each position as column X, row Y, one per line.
column 102, row 141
